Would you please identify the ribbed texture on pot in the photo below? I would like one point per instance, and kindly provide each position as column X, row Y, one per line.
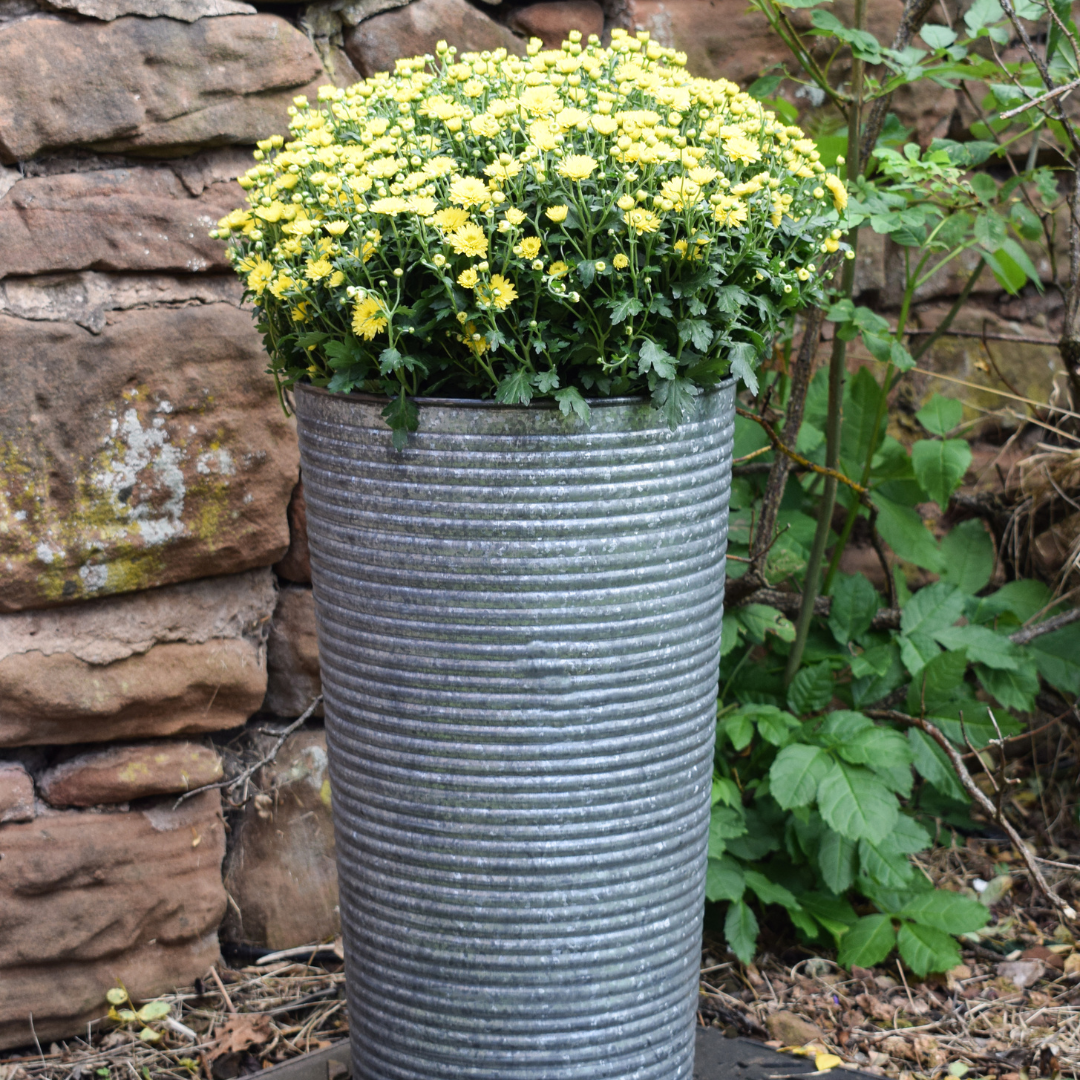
column 519, row 627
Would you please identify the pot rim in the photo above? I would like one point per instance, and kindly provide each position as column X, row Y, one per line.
column 488, row 403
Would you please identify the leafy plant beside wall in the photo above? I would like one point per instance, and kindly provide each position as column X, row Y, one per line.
column 849, row 734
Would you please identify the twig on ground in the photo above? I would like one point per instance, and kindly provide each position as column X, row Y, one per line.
column 1065, row 909
column 221, row 990
column 252, row 769
column 1029, row 633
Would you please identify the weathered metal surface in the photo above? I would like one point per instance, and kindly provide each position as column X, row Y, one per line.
column 519, row 627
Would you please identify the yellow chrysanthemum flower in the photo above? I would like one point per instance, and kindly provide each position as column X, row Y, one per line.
column 469, row 240
column 368, row 318
column 620, row 262
column 731, row 212
column 259, row 275
column 558, row 269
column 838, row 191
column 641, row 220
column 626, row 202
column 317, row 269
column 577, row 167
column 740, row 148
column 336, row 228
column 453, row 217
column 557, row 213
column 514, row 216
column 467, row 279
column 499, row 292
column 529, row 247
column 390, row 205
column 469, row 191
column 336, row 278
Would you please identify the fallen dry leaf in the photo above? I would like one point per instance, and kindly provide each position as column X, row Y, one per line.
column 1021, row 973
column 240, row 1032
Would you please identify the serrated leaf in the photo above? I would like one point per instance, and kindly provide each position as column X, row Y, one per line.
column 697, row 331
column 937, row 37
column 885, row 865
column 836, row 861
column 739, row 728
column 983, row 646
column 811, row 689
column 946, row 911
column 968, row 554
column 654, row 357
column 402, row 416
column 903, row 530
column 624, row 309
column 925, row 949
column 743, row 357
column 515, row 389
column 725, row 791
column 855, row 803
column 775, row 725
column 855, row 602
column 760, row 619
column 768, row 892
column 796, row 773
column 877, row 744
column 741, row 931
column 724, row 880
column 989, row 230
column 938, row 684
column 674, row 399
column 940, row 465
column 1015, row 689
column 571, row 401
column 725, row 823
column 933, row 765
column 940, row 415
column 833, row 912
column 868, row 942
column 932, row 608
column 546, row 381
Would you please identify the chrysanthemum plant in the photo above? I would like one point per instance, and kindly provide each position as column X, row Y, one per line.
column 575, row 223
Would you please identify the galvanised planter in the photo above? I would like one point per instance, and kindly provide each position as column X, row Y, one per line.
column 519, row 630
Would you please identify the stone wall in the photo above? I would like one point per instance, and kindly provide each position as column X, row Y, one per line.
column 155, row 587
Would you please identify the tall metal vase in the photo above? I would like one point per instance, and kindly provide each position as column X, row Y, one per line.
column 519, row 629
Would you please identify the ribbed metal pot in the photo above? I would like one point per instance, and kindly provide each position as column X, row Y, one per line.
column 519, row 629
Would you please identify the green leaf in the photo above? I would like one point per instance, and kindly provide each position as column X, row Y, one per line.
column 968, row 554
column 833, row 912
column 939, row 683
column 768, row 892
column 946, row 911
column 940, row 465
column 729, row 634
column 738, row 728
column 1019, row 256
column 1057, row 656
column 402, row 416
column 760, row 619
column 765, row 87
column 774, row 724
column 624, row 309
column 570, row 400
column 925, row 949
column 674, row 398
column 796, row 773
column 743, row 357
column 877, row 744
column 153, row 1010
column 811, row 689
column 725, row 791
column 990, row 230
column 868, row 942
column 982, row 13
column 741, row 931
column 909, row 836
column 932, row 608
column 1015, row 689
column 863, row 425
column 931, row 763
column 697, row 331
column 983, row 646
column 515, row 389
column 937, row 37
column 654, row 357
column 855, row 803
column 1026, row 221
column 985, row 187
column 724, row 880
column 725, row 823
column 885, row 865
column 903, row 530
column 836, row 861
column 1022, row 599
column 940, row 415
